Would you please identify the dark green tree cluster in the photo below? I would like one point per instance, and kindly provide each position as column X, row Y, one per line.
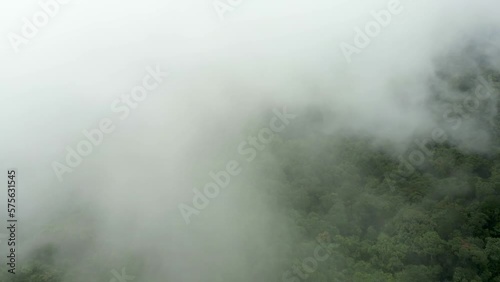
column 441, row 222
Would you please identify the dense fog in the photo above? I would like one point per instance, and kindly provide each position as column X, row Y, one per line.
column 197, row 118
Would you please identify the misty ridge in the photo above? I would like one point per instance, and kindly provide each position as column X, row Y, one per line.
column 238, row 140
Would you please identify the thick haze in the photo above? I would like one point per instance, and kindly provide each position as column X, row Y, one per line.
column 225, row 78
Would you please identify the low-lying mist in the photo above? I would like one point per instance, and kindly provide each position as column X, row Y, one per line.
column 232, row 96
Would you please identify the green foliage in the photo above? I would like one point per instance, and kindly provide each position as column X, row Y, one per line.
column 441, row 223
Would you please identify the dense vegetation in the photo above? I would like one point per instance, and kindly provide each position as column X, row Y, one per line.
column 439, row 223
